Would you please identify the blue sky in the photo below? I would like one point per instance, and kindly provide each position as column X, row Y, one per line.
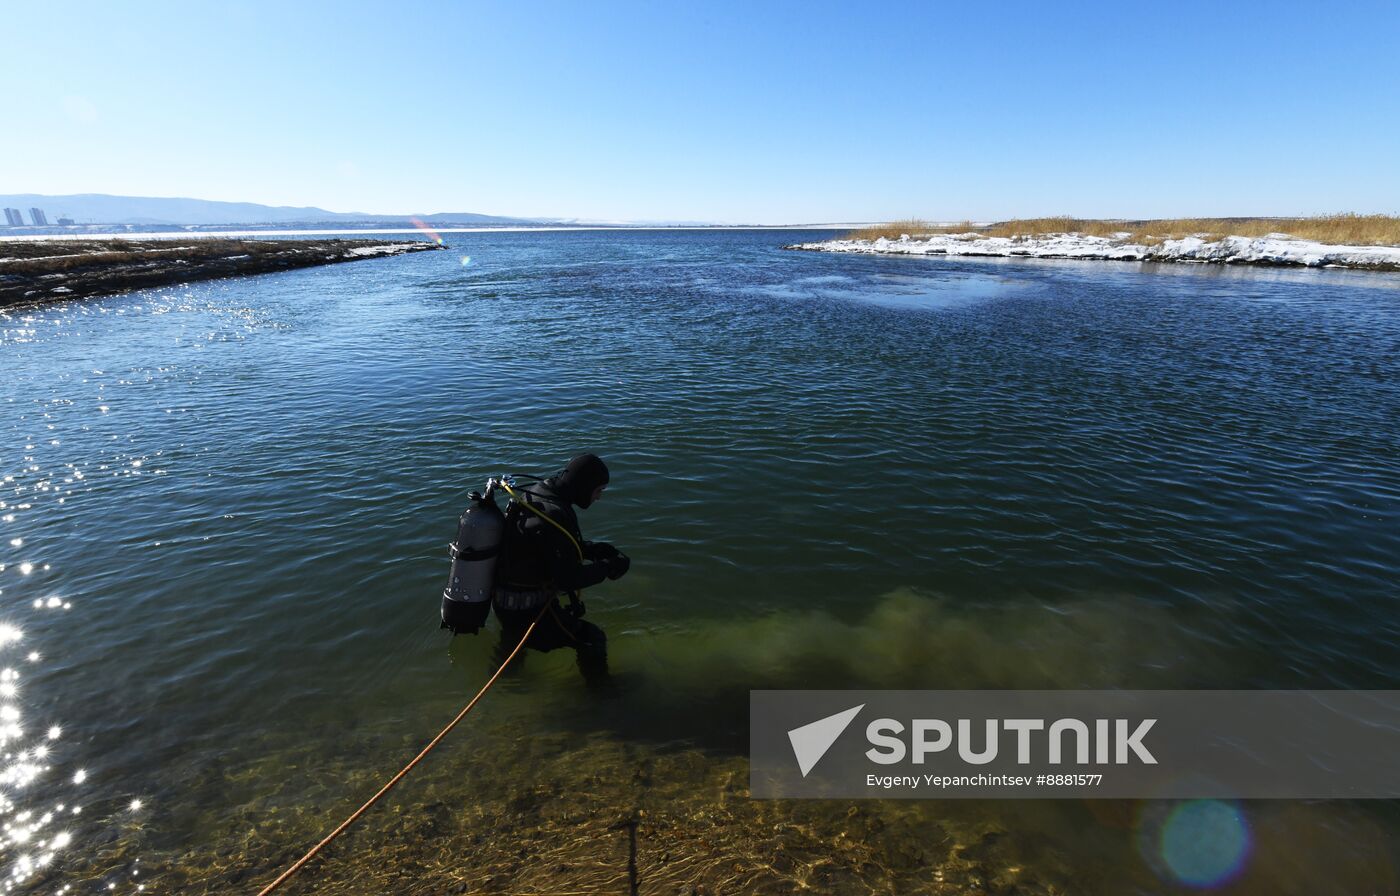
column 737, row 112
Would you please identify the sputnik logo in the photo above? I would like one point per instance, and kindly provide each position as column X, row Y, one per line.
column 811, row 741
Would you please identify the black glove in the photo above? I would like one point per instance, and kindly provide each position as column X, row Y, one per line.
column 599, row 551
column 617, row 565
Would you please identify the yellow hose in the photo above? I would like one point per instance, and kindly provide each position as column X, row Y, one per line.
column 542, row 515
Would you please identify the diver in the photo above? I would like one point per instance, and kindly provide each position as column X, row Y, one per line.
column 541, row 559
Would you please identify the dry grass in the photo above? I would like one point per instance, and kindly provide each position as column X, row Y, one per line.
column 1345, row 228
column 34, row 271
column 912, row 226
column 1340, row 229
column 1060, row 224
column 64, row 256
column 893, row 230
column 57, row 256
column 960, row 227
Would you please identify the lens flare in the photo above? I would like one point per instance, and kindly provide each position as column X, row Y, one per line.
column 423, row 226
column 1204, row 843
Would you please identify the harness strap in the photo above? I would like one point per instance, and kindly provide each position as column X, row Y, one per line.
column 546, row 517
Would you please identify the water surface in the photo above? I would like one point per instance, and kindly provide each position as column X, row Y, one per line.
column 225, row 507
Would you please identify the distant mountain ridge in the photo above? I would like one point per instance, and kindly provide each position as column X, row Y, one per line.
column 100, row 208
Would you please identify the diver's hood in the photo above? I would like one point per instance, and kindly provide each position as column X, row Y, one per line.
column 577, row 482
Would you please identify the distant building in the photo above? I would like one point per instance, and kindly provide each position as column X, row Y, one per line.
column 66, row 222
column 12, row 217
column 38, row 215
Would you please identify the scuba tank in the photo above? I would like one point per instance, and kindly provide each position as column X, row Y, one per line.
column 466, row 601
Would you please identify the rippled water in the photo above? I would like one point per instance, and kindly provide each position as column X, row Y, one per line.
column 225, row 507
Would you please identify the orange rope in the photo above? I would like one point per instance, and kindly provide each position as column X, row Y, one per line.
column 285, row 875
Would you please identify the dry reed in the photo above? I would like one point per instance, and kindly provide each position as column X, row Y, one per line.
column 1344, row 228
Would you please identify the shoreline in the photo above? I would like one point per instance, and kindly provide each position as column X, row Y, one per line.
column 34, row 272
column 1274, row 250
column 233, row 232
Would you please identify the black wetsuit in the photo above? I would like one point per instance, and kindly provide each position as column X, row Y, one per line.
column 538, row 563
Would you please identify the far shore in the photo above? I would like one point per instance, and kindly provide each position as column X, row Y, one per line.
column 233, row 232
column 47, row 270
column 1342, row 240
column 1275, row 250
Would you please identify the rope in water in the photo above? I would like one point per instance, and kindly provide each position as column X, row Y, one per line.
column 355, row 816
column 344, row 825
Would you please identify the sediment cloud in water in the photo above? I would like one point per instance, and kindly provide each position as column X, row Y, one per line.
column 692, row 686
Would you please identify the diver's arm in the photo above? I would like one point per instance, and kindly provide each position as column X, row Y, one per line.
column 611, row 565
column 588, row 575
column 571, row 575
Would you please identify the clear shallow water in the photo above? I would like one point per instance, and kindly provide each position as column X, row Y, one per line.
column 231, row 503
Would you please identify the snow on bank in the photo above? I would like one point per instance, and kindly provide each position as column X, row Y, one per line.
column 33, row 272
column 1274, row 249
column 386, row 249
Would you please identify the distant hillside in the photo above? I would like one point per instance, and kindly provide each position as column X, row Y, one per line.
column 99, row 208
